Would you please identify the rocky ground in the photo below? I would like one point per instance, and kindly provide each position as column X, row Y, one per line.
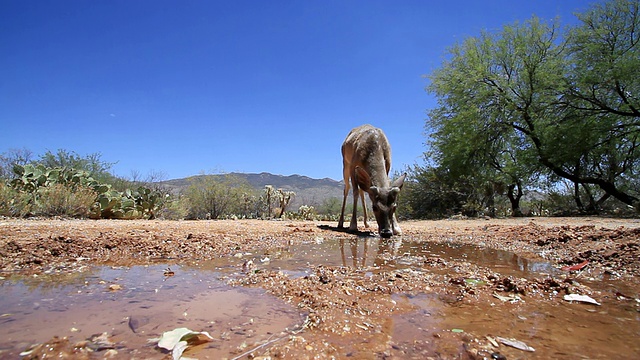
column 348, row 309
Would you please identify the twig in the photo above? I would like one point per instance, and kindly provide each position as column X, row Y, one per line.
column 269, row 342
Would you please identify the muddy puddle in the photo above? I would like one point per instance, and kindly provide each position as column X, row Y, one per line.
column 374, row 253
column 555, row 329
column 145, row 302
column 134, row 305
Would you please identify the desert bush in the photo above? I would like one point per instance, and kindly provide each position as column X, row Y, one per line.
column 267, row 201
column 62, row 200
column 429, row 193
column 306, row 212
column 174, row 209
column 13, row 202
column 328, row 217
column 331, row 205
column 63, row 191
column 209, row 197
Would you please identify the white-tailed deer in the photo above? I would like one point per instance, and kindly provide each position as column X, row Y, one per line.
column 366, row 158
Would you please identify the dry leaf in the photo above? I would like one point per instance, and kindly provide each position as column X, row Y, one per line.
column 177, row 340
column 516, row 344
column 581, row 298
column 510, row 298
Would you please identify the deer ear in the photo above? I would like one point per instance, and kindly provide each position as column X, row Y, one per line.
column 399, row 181
column 363, row 179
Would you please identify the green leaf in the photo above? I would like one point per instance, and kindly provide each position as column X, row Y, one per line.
column 474, row 282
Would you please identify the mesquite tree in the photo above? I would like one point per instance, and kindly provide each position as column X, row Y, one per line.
column 526, row 103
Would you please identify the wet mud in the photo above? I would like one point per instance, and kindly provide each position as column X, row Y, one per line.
column 447, row 289
column 132, row 306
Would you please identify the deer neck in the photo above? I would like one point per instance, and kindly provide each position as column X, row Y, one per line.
column 378, row 172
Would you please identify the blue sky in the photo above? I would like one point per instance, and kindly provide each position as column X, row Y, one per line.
column 186, row 87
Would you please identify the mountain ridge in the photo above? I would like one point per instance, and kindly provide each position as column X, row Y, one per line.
column 309, row 191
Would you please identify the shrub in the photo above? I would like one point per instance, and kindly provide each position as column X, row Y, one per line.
column 14, row 202
column 61, row 200
column 39, row 189
column 210, row 197
column 307, row 212
column 174, row 210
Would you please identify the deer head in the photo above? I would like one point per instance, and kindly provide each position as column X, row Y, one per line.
column 383, row 200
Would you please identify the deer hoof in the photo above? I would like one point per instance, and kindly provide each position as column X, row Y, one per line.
column 386, row 233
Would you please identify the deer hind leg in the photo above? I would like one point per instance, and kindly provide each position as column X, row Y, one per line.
column 344, row 203
column 364, row 209
column 346, row 176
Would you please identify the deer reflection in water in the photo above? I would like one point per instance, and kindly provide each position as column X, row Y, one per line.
column 386, row 249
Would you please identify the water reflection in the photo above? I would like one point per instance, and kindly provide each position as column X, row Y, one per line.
column 48, row 283
column 394, row 253
column 363, row 253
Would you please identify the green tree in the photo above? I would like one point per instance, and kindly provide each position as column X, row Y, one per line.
column 330, row 206
column 606, row 59
column 92, row 163
column 489, row 95
column 431, row 192
column 213, row 197
column 511, row 102
column 12, row 157
column 604, row 89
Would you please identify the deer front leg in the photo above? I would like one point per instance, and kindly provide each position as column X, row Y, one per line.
column 364, row 209
column 354, row 216
column 394, row 226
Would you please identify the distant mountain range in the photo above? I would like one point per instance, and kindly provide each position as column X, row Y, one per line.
column 308, row 191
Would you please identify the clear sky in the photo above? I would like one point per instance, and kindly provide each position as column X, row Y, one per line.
column 185, row 87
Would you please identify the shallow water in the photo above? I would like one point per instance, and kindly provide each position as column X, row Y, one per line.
column 148, row 304
column 555, row 330
column 372, row 253
column 78, row 305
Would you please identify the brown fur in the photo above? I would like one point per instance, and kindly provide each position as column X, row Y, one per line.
column 366, row 157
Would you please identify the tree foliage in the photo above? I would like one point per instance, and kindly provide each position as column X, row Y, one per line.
column 527, row 104
column 430, row 193
column 91, row 163
column 12, row 157
column 210, row 197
